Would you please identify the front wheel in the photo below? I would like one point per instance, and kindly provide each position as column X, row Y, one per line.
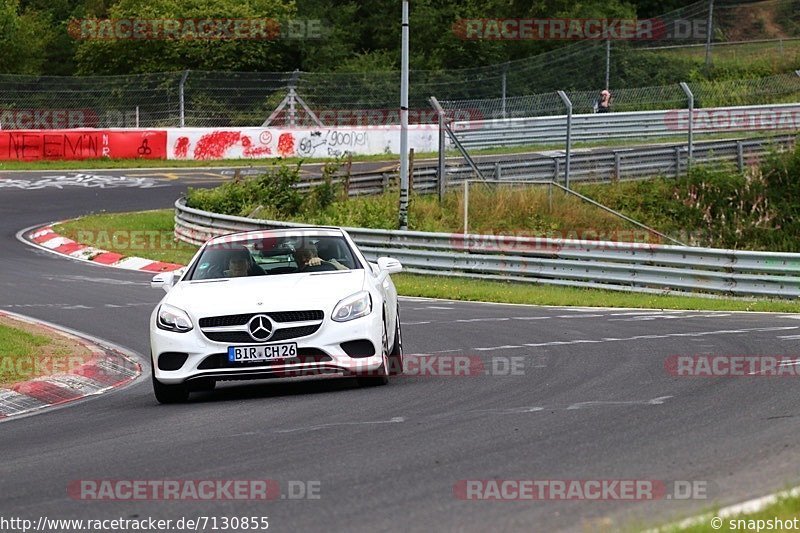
column 170, row 393
column 396, row 353
column 381, row 375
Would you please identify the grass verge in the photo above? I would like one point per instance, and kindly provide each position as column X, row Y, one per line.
column 785, row 509
column 28, row 351
column 147, row 234
column 97, row 230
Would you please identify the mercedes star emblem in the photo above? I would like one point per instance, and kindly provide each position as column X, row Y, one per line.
column 260, row 328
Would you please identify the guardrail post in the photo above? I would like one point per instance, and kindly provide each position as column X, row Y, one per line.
column 411, row 170
column 466, row 204
column 740, row 155
column 557, row 169
column 498, row 171
column 181, row 98
column 690, row 97
column 617, row 165
column 677, row 161
column 568, row 104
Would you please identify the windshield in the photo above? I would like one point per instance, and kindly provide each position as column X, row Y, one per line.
column 270, row 255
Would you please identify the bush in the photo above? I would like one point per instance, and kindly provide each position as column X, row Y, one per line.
column 275, row 191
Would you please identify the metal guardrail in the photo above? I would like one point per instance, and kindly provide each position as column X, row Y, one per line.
column 633, row 267
column 476, row 135
column 594, row 165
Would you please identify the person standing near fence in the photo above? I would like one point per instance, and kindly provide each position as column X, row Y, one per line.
column 604, row 102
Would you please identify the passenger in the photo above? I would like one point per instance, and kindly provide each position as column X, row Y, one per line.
column 238, row 266
column 241, row 263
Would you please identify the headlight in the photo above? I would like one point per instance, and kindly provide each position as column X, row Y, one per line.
column 171, row 318
column 355, row 306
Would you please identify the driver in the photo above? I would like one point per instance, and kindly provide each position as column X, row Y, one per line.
column 306, row 256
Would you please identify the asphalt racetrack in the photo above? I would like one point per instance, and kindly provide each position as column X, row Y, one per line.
column 591, row 400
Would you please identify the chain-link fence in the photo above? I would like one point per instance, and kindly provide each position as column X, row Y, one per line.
column 768, row 90
column 642, row 74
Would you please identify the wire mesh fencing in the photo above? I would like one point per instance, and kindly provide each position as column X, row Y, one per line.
column 642, row 74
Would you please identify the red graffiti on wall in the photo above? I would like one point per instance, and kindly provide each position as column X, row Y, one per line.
column 248, row 150
column 182, row 147
column 286, row 144
column 28, row 145
column 214, row 145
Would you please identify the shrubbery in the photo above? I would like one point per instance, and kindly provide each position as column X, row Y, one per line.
column 719, row 206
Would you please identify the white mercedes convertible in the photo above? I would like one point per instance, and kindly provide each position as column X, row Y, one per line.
column 277, row 303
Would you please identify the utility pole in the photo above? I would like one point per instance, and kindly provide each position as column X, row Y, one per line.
column 710, row 32
column 404, row 122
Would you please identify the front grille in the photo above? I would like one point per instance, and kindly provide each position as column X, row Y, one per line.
column 277, row 316
column 296, row 316
column 244, row 337
column 304, row 355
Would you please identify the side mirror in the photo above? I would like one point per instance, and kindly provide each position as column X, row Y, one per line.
column 389, row 265
column 166, row 280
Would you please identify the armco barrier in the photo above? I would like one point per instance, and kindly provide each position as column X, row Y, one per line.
column 775, row 118
column 620, row 266
column 34, row 145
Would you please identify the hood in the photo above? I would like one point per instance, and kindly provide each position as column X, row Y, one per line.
column 285, row 292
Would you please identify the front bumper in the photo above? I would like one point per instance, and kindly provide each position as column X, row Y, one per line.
column 327, row 355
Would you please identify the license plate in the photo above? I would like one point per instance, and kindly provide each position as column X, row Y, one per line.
column 269, row 352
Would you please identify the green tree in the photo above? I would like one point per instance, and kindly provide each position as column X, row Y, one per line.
column 24, row 36
column 120, row 56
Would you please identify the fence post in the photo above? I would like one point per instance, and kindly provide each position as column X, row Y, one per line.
column 710, row 30
column 441, row 169
column 181, row 97
column 740, row 155
column 690, row 97
column 505, row 87
column 608, row 61
column 292, row 96
column 568, row 103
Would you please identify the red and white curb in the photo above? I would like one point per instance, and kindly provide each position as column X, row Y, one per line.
column 47, row 239
column 108, row 368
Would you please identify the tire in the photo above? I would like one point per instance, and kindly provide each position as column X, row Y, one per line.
column 381, row 376
column 170, row 393
column 396, row 353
